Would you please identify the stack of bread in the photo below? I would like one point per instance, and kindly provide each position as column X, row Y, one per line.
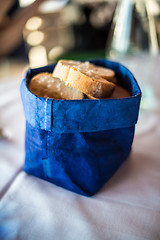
column 77, row 80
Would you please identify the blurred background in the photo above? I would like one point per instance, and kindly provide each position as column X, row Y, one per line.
column 36, row 33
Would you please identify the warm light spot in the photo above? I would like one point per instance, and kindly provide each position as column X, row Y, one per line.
column 52, row 6
column 154, row 7
column 35, row 38
column 25, row 3
column 55, row 52
column 37, row 56
column 33, row 23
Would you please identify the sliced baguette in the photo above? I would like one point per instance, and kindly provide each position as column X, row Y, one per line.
column 45, row 85
column 80, row 76
column 62, row 70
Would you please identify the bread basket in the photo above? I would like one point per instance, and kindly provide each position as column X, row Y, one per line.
column 79, row 144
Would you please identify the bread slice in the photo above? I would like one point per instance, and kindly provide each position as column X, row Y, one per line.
column 80, row 75
column 92, row 85
column 105, row 73
column 45, row 85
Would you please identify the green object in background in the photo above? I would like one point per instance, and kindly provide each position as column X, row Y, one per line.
column 84, row 55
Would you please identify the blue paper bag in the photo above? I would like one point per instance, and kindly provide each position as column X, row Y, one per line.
column 79, row 144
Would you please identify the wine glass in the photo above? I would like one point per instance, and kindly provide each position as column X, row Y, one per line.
column 133, row 40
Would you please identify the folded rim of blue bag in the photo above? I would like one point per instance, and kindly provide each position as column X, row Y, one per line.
column 86, row 115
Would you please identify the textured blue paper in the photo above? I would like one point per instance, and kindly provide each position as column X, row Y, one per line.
column 79, row 144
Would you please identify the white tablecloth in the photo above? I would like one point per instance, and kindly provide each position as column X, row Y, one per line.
column 127, row 207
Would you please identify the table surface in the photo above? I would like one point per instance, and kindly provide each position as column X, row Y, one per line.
column 127, row 207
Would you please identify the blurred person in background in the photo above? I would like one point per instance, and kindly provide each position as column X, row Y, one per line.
column 12, row 21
